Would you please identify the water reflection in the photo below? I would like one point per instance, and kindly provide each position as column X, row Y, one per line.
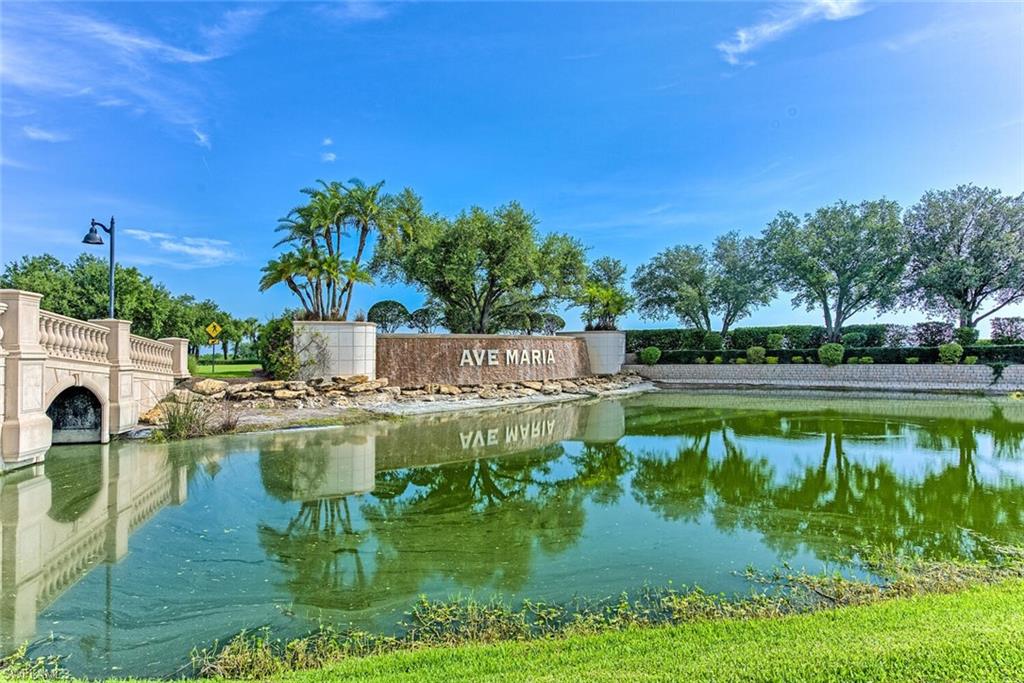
column 351, row 524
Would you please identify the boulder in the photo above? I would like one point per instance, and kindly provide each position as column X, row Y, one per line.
column 490, row 394
column 153, row 416
column 364, row 387
column 568, row 384
column 209, row 387
column 449, row 390
column 550, row 388
column 527, row 391
column 288, row 394
column 348, row 380
column 242, row 388
column 179, row 396
column 295, row 385
column 536, row 386
column 245, row 395
column 270, row 385
column 413, row 393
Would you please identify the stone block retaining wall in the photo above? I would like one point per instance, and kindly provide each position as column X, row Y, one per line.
column 881, row 377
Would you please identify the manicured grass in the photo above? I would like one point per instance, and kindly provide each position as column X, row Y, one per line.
column 976, row 635
column 218, row 370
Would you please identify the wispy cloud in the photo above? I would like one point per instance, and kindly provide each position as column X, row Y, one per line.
column 50, row 50
column 43, row 135
column 199, row 251
column 783, row 20
column 328, row 141
column 355, row 11
column 329, row 157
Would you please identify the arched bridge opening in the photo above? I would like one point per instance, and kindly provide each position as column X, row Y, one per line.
column 77, row 416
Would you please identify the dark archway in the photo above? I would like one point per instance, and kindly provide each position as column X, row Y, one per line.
column 77, row 416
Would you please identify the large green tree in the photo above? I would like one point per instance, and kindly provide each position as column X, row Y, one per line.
column 79, row 290
column 966, row 253
column 842, row 259
column 603, row 295
column 695, row 286
column 485, row 268
column 389, row 315
column 328, row 238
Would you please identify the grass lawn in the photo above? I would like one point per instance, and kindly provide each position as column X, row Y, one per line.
column 218, row 370
column 977, row 635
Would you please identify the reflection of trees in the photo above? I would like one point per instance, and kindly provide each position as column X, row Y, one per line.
column 840, row 501
column 476, row 524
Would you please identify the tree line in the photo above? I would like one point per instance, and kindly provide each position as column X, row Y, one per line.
column 79, row 290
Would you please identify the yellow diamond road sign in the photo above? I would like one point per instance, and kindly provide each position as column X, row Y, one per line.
column 213, row 329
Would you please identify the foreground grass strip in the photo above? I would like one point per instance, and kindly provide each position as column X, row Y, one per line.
column 975, row 635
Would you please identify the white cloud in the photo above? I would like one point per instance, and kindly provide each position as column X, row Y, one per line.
column 354, row 11
column 200, row 251
column 202, row 139
column 329, row 157
column 783, row 20
column 50, row 51
column 43, row 135
column 327, row 142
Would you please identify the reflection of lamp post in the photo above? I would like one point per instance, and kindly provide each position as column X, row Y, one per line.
column 95, row 238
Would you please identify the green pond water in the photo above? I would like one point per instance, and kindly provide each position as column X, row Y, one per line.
column 124, row 557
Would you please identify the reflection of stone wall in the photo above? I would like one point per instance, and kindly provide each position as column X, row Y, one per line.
column 410, row 360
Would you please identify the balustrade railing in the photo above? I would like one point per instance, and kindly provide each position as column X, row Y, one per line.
column 72, row 339
column 148, row 354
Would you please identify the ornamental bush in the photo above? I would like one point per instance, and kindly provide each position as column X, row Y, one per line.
column 717, row 360
column 912, row 360
column 866, row 360
column 852, row 360
column 965, row 336
column 970, row 360
column 797, row 359
column 831, row 354
column 933, row 333
column 741, row 361
column 756, row 354
column 701, row 360
column 772, row 360
column 649, row 355
column 854, row 340
column 275, row 349
column 713, row 341
column 950, row 353
column 775, row 340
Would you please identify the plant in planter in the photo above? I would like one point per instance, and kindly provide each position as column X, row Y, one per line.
column 866, row 360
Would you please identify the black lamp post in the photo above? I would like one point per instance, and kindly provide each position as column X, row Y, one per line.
column 95, row 238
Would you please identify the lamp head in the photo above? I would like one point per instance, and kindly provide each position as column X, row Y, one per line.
column 93, row 237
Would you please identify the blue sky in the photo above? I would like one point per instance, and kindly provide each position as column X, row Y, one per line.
column 632, row 126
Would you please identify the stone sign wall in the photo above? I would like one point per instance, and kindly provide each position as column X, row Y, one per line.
column 410, row 360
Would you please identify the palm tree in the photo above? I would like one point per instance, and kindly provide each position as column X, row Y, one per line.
column 367, row 209
column 287, row 269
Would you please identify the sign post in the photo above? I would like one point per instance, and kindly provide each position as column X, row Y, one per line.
column 213, row 329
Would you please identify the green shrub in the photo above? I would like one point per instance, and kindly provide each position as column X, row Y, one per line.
column 775, row 340
column 193, row 365
column 855, row 340
column 949, row 354
column 797, row 359
column 718, row 360
column 756, row 354
column 276, row 350
column 831, row 354
column 649, row 355
column 701, row 360
column 965, row 336
column 912, row 360
column 984, row 342
column 866, row 360
column 740, row 361
column 970, row 360
column 713, row 341
column 772, row 360
column 852, row 360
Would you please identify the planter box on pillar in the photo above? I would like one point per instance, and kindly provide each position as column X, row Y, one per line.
column 326, row 348
column 605, row 348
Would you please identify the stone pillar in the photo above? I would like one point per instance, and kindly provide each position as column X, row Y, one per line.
column 179, row 356
column 3, row 365
column 26, row 432
column 331, row 347
column 605, row 348
column 123, row 408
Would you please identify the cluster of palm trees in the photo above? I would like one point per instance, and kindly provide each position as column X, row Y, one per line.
column 316, row 269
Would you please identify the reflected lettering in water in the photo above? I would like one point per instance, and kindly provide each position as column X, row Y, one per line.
column 131, row 554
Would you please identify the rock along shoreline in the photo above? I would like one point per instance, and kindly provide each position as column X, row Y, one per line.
column 278, row 404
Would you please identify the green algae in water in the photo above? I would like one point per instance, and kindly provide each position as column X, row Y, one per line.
column 123, row 557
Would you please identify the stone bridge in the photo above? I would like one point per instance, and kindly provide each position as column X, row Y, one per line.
column 64, row 380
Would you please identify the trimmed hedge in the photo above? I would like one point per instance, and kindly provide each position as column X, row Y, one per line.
column 924, row 354
column 794, row 336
